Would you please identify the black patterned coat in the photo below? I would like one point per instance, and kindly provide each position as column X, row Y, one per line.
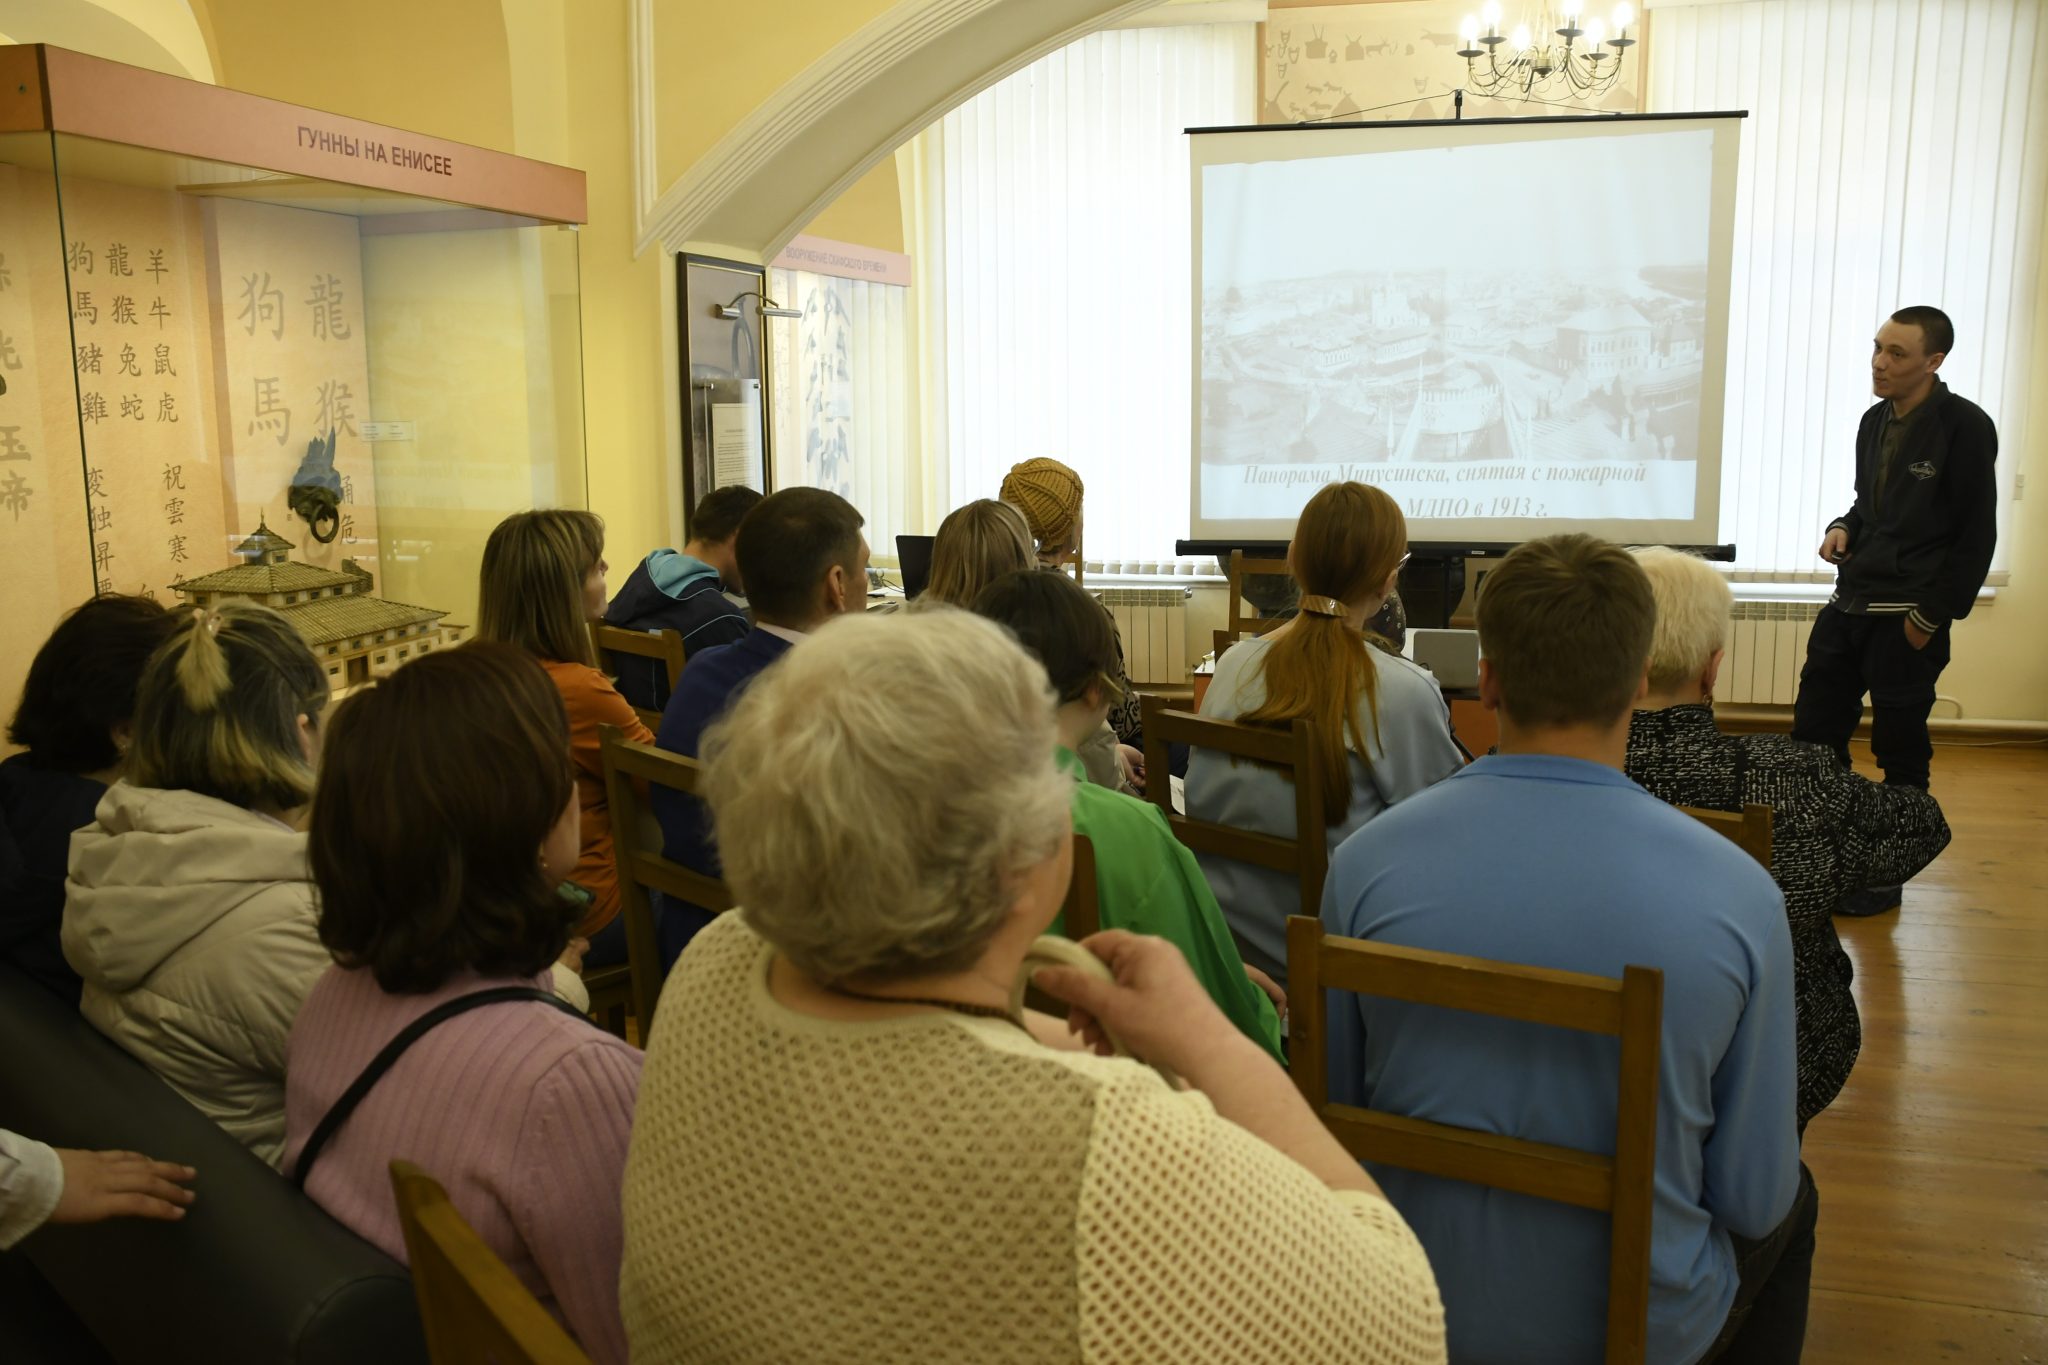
column 1833, row 832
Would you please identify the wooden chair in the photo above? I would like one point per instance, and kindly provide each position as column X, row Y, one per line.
column 1306, row 856
column 1240, row 624
column 474, row 1309
column 1082, row 913
column 628, row 767
column 663, row 645
column 1750, row 831
column 1631, row 1009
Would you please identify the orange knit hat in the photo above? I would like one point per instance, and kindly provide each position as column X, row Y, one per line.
column 1049, row 495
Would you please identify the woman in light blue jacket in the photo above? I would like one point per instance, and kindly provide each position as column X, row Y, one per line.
column 1382, row 725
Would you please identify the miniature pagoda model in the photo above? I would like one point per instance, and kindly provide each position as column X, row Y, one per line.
column 354, row 635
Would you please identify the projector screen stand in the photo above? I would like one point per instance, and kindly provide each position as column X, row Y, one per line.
column 1437, row 590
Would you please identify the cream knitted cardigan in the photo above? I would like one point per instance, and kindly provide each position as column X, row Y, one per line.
column 941, row 1187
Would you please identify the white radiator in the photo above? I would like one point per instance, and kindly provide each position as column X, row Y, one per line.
column 1154, row 626
column 1766, row 646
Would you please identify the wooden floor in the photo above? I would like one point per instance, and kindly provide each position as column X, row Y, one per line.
column 1932, row 1165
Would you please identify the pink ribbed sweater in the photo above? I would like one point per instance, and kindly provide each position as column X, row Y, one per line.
column 520, row 1110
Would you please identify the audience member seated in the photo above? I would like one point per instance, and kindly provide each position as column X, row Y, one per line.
column 1146, row 880
column 849, row 1145
column 542, row 586
column 1049, row 495
column 977, row 543
column 1545, row 854
column 1381, row 721
column 43, row 1184
column 684, row 591
column 189, row 908
column 440, row 884
column 74, row 724
column 1833, row 832
column 805, row 562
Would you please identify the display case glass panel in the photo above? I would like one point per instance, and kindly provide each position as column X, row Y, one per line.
column 229, row 382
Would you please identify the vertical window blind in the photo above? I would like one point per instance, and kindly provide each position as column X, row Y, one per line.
column 1051, row 240
column 1894, row 154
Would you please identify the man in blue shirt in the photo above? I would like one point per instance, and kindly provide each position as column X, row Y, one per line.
column 805, row 561
column 1545, row 854
column 684, row 591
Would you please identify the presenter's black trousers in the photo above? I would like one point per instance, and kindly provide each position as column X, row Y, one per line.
column 1849, row 654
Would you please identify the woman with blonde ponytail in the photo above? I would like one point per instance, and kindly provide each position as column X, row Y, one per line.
column 1381, row 724
column 189, row 907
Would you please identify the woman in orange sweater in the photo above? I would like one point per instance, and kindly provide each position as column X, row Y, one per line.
column 543, row 584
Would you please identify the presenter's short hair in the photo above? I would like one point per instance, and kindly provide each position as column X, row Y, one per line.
column 858, row 833
column 1935, row 328
column 1565, row 623
column 1694, row 604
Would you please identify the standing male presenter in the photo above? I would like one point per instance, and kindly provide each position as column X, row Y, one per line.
column 1910, row 556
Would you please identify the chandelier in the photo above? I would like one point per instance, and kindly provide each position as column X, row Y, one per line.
column 1540, row 66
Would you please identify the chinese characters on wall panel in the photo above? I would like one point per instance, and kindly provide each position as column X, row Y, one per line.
column 289, row 339
column 142, row 369
column 44, row 559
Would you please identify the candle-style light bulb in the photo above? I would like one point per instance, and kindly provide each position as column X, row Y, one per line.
column 1596, row 33
column 1489, row 14
column 1623, row 17
column 1469, row 30
column 1520, row 42
column 1571, row 9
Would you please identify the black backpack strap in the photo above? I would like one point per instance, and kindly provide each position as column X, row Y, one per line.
column 407, row 1036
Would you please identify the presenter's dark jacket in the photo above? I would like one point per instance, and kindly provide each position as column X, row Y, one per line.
column 1926, row 513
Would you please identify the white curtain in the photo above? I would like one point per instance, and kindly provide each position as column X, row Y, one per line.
column 841, row 401
column 1894, row 154
column 1051, row 245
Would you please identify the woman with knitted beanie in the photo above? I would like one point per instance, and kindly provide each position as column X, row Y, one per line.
column 1048, row 493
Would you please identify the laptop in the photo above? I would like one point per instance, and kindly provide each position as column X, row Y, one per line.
column 914, row 555
column 1452, row 655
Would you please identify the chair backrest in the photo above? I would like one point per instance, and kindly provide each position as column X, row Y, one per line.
column 640, row 869
column 1082, row 913
column 1631, row 1009
column 1241, row 565
column 1307, row 855
column 1750, row 831
column 475, row 1310
column 665, row 646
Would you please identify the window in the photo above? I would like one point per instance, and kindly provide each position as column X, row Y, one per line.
column 1051, row 245
column 1909, row 172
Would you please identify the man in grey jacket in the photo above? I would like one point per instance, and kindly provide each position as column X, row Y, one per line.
column 1910, row 555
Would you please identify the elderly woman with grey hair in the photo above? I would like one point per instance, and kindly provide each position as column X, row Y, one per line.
column 849, row 1147
column 1834, row 833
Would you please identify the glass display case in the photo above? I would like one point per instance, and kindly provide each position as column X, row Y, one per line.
column 254, row 351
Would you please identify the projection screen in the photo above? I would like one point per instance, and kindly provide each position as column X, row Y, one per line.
column 1516, row 327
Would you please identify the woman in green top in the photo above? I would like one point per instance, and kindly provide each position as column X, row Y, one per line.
column 1146, row 880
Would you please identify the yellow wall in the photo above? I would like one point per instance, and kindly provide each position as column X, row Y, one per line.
column 869, row 214
column 437, row 66
column 716, row 62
